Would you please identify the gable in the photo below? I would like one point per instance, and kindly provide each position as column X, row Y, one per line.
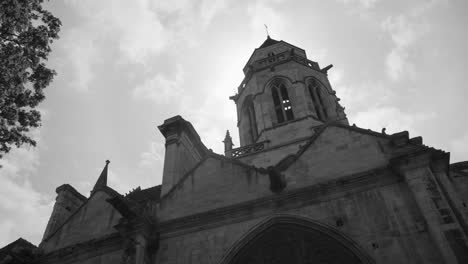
column 215, row 183
column 96, row 218
column 337, row 152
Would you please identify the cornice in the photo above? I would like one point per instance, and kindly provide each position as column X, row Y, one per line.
column 286, row 200
column 70, row 189
column 85, row 250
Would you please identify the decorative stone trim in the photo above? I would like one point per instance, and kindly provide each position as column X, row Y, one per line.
column 249, row 149
column 291, row 199
column 267, row 63
column 82, row 251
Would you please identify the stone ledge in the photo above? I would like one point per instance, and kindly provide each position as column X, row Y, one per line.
column 85, row 250
column 283, row 201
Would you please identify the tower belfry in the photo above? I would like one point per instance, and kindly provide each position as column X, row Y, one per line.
column 283, row 92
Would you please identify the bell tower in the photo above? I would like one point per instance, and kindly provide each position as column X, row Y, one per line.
column 283, row 96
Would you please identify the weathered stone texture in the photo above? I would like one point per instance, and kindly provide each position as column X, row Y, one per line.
column 67, row 202
column 93, row 220
column 335, row 153
column 312, row 181
column 213, row 184
column 386, row 217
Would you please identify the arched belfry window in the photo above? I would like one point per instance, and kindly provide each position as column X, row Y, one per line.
column 251, row 121
column 317, row 100
column 283, row 107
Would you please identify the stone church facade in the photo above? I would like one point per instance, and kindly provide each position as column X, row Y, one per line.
column 304, row 186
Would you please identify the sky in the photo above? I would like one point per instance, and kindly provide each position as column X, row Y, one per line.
column 123, row 67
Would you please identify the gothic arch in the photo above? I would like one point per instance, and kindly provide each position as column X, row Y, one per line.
column 318, row 242
column 325, row 87
column 320, row 97
column 281, row 100
column 287, row 80
column 248, row 115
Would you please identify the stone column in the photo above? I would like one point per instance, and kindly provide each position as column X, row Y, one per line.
column 421, row 182
column 140, row 249
column 184, row 150
column 440, row 170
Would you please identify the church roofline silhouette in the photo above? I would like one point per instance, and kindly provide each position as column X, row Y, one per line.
column 304, row 186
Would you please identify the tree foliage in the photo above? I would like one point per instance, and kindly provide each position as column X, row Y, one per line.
column 26, row 32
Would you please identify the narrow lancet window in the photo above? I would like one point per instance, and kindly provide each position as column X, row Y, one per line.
column 286, row 103
column 317, row 100
column 278, row 106
column 250, row 119
column 253, row 123
column 283, row 107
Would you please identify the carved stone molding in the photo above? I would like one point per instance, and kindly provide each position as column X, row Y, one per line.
column 84, row 250
column 283, row 201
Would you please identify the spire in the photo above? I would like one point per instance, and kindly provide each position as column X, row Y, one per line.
column 102, row 180
column 266, row 28
column 227, row 144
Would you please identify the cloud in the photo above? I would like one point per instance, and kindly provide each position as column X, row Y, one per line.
column 363, row 3
column 130, row 32
column 139, row 29
column 405, row 31
column 391, row 118
column 459, row 148
column 403, row 34
column 161, row 89
column 21, row 206
column 261, row 12
column 335, row 76
column 152, row 163
column 153, row 156
column 357, row 97
column 209, row 9
column 396, row 62
column 81, row 55
column 118, row 182
column 133, row 26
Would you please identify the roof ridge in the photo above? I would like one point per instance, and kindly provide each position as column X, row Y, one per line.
column 183, row 178
column 287, row 161
column 210, row 155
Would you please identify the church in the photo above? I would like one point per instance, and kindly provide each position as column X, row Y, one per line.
column 305, row 186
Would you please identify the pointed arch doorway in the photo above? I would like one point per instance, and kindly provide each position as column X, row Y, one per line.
column 295, row 240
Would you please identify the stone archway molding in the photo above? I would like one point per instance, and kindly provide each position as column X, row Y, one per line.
column 301, row 221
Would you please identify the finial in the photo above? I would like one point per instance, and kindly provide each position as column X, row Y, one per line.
column 228, row 137
column 266, row 29
column 227, row 144
column 107, row 162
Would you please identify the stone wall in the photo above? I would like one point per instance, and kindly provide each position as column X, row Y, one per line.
column 68, row 200
column 93, row 220
column 215, row 183
column 383, row 221
column 337, row 152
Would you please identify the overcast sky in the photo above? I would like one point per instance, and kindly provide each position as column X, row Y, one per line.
column 125, row 66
